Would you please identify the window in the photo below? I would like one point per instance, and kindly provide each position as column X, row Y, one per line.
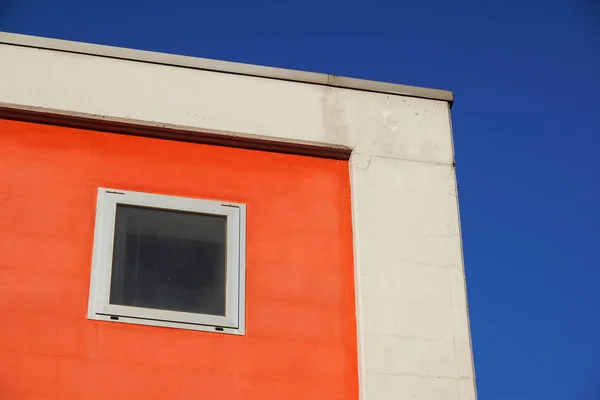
column 168, row 261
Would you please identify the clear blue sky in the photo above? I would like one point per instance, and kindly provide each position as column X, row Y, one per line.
column 526, row 76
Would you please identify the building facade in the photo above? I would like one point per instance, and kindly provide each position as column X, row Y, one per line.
column 183, row 228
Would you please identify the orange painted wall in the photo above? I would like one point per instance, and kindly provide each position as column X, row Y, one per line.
column 301, row 333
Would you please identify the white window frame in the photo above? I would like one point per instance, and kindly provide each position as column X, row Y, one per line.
column 99, row 307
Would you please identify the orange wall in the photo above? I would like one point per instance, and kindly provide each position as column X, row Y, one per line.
column 301, row 335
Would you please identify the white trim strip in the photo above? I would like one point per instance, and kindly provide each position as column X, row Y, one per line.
column 224, row 66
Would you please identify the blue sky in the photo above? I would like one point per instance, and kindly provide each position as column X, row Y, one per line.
column 526, row 75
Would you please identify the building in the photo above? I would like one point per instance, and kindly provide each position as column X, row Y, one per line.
column 183, row 228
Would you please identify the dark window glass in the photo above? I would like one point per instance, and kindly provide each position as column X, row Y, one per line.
column 169, row 260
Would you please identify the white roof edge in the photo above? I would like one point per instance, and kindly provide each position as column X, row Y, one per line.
column 223, row 66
